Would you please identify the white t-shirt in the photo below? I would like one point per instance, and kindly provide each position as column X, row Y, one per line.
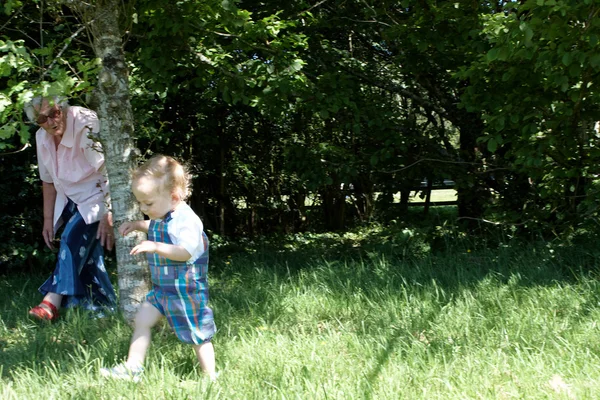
column 185, row 229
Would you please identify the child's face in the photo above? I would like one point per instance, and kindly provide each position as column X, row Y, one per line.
column 154, row 202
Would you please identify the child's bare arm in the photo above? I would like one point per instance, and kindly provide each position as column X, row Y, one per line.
column 130, row 226
column 170, row 251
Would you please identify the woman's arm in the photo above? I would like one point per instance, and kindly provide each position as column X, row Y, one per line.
column 49, row 195
column 105, row 231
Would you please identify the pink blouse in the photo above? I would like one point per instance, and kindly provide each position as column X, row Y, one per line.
column 76, row 167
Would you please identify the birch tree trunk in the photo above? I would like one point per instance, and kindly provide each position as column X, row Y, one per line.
column 116, row 135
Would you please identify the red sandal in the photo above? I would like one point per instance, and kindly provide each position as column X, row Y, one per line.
column 42, row 313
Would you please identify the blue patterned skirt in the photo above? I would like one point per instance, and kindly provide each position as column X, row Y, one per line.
column 80, row 275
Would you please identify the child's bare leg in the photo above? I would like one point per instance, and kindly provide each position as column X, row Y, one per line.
column 206, row 357
column 146, row 317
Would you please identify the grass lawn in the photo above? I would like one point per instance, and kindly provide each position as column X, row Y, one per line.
column 436, row 195
column 516, row 321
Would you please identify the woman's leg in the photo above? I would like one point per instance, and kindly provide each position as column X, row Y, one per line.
column 80, row 275
column 53, row 298
column 146, row 317
column 47, row 310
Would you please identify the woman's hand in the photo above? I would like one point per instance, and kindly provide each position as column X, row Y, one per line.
column 105, row 231
column 48, row 233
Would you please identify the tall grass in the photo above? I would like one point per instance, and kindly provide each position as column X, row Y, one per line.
column 509, row 322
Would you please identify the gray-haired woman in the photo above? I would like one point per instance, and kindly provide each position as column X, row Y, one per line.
column 76, row 196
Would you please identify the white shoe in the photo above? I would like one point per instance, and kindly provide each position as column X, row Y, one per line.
column 124, row 372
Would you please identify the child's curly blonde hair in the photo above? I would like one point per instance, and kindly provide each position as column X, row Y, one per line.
column 170, row 175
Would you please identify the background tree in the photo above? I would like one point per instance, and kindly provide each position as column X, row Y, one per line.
column 536, row 89
column 316, row 115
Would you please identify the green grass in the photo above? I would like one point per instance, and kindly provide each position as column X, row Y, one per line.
column 512, row 322
column 436, row 195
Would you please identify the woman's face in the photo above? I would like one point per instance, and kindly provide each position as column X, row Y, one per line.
column 51, row 118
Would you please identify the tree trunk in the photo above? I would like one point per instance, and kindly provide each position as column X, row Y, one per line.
column 364, row 194
column 428, row 195
column 334, row 207
column 404, row 198
column 222, row 185
column 472, row 191
column 116, row 134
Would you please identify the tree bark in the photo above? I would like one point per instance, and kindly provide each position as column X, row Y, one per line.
column 116, row 135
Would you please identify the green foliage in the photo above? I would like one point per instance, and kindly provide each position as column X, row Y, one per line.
column 54, row 66
column 535, row 88
column 343, row 105
column 15, row 63
column 21, row 244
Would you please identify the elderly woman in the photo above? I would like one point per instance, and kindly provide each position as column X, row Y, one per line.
column 76, row 196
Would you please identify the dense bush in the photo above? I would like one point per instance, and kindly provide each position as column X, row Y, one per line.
column 21, row 244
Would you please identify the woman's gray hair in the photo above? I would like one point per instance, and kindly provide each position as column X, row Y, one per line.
column 35, row 103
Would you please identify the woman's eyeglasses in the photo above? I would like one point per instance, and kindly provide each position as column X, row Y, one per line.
column 42, row 118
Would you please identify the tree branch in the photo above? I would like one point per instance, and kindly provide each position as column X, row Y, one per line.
column 445, row 162
column 396, row 89
column 205, row 60
column 11, row 17
column 25, row 146
column 308, row 10
column 65, row 47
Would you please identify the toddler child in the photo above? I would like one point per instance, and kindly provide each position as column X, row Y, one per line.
column 177, row 251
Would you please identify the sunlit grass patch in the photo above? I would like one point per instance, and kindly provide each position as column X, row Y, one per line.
column 513, row 322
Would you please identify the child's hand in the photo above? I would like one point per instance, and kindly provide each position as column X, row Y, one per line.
column 127, row 227
column 146, row 246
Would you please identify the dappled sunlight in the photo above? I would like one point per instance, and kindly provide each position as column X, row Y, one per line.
column 465, row 323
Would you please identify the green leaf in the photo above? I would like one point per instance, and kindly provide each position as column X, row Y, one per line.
column 5, row 69
column 227, row 5
column 226, row 95
column 575, row 70
column 492, row 54
column 4, row 102
column 24, row 132
column 8, row 130
column 595, row 60
column 324, row 114
column 492, row 145
column 297, row 65
column 504, row 53
column 374, row 160
column 500, row 123
column 575, row 96
column 528, row 36
column 567, row 59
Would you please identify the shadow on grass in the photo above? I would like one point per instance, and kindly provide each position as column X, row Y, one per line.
column 28, row 343
column 251, row 286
